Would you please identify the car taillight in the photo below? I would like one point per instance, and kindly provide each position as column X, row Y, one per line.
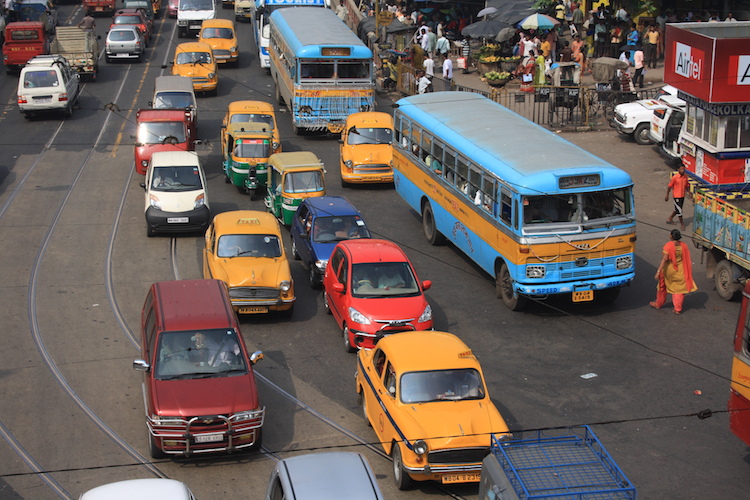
column 22, row 99
column 63, row 97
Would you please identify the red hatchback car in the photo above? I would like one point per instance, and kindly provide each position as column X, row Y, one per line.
column 372, row 290
column 136, row 17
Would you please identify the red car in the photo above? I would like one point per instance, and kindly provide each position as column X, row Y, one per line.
column 372, row 290
column 136, row 17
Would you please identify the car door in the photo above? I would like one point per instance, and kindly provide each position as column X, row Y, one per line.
column 336, row 273
column 209, row 248
column 383, row 397
column 301, row 225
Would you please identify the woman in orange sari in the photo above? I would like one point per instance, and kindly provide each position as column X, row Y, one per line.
column 674, row 274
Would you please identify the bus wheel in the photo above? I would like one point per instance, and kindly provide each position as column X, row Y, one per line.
column 504, row 290
column 726, row 286
column 428, row 226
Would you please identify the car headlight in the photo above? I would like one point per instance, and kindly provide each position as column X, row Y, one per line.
column 426, row 314
column 535, row 271
column 285, row 286
column 358, row 317
column 349, row 163
column 232, row 49
column 159, row 420
column 321, row 265
column 419, row 447
column 211, row 75
column 624, row 262
column 154, row 202
column 200, row 200
column 144, row 163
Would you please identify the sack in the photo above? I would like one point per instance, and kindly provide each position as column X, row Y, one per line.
column 461, row 62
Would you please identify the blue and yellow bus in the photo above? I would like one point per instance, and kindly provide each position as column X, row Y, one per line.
column 539, row 214
column 261, row 12
column 321, row 70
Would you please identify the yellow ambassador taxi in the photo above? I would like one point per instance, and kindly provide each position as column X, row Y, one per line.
column 196, row 61
column 424, row 395
column 366, row 149
column 244, row 249
column 222, row 37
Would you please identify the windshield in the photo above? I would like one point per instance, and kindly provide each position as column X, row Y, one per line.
column 383, row 279
column 176, row 178
column 249, row 245
column 576, row 207
column 252, row 148
column 128, row 20
column 196, row 5
column 198, row 354
column 193, row 58
column 46, row 78
column 173, row 100
column 303, row 182
column 217, row 33
column 441, row 385
column 331, row 229
column 369, row 136
column 252, row 117
column 161, row 132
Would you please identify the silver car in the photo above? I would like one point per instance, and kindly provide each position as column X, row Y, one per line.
column 125, row 42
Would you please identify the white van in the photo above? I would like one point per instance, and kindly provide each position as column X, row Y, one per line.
column 191, row 14
column 176, row 200
column 142, row 489
column 47, row 83
column 175, row 92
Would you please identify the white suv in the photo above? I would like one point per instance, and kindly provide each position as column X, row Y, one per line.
column 47, row 83
column 634, row 118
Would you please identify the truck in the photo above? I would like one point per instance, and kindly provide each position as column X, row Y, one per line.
column 721, row 231
column 23, row 40
column 80, row 47
column 569, row 462
column 99, row 6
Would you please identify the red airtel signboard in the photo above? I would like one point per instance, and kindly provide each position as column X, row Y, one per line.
column 710, row 61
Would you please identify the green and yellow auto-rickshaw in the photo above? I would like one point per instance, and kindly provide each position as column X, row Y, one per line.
column 246, row 147
column 292, row 177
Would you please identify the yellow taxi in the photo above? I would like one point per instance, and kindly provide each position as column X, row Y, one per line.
column 196, row 61
column 366, row 148
column 425, row 396
column 244, row 249
column 253, row 111
column 222, row 37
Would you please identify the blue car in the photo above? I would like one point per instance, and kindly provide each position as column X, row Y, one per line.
column 318, row 225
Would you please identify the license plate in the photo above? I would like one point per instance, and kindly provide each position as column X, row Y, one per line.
column 195, row 26
column 470, row 477
column 584, row 296
column 177, row 220
column 208, row 438
column 43, row 100
column 253, row 310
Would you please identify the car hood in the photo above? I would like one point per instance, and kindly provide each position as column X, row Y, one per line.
column 195, row 15
column 322, row 251
column 209, row 396
column 253, row 271
column 455, row 423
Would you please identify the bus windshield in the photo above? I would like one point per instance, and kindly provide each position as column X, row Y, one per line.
column 576, row 207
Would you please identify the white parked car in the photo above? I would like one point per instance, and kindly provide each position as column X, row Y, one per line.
column 634, row 118
column 176, row 198
column 47, row 83
column 141, row 489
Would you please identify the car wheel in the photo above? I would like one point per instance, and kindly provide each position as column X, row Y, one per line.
column 258, row 440
column 726, row 285
column 402, row 479
column 313, row 277
column 363, row 404
column 347, row 341
column 326, row 306
column 641, row 134
column 108, row 59
column 295, row 254
column 153, row 449
column 27, row 116
column 504, row 290
column 428, row 226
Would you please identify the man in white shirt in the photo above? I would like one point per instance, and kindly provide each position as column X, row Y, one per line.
column 448, row 69
column 429, row 65
column 423, row 84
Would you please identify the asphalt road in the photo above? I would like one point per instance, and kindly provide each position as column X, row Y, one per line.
column 77, row 265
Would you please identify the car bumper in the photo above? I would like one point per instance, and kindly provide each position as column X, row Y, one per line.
column 622, row 128
column 178, row 222
column 363, row 339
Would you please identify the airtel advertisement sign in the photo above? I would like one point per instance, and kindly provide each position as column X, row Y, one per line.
column 710, row 61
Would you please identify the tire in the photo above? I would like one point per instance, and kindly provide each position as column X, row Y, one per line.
column 428, row 226
column 401, row 478
column 295, row 254
column 347, row 341
column 326, row 307
column 641, row 134
column 363, row 405
column 154, row 450
column 504, row 290
column 726, row 286
column 344, row 184
column 313, row 278
column 607, row 296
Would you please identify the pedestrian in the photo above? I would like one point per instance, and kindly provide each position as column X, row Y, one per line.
column 560, row 15
column 341, row 11
column 540, row 67
column 429, row 65
column 577, row 21
column 674, row 274
column 651, row 43
column 730, row 17
column 678, row 185
column 465, row 53
column 566, row 54
column 87, row 23
column 546, row 47
column 442, row 46
column 632, row 39
column 448, row 69
column 423, row 83
column 417, row 55
column 638, row 58
column 431, row 42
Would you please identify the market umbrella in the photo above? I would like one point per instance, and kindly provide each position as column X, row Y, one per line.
column 486, row 28
column 538, row 22
column 506, row 34
column 513, row 14
column 486, row 11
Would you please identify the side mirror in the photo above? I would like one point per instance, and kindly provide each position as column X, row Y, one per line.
column 338, row 287
column 143, row 185
column 151, row 104
column 426, row 284
column 256, row 356
column 141, row 365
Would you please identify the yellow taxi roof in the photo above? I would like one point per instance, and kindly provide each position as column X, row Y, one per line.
column 294, row 160
column 369, row 119
column 218, row 23
column 245, row 106
column 246, row 222
column 193, row 47
column 427, row 350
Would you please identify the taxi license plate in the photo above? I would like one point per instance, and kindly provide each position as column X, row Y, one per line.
column 253, row 310
column 583, row 296
column 177, row 220
column 209, row 438
column 472, row 477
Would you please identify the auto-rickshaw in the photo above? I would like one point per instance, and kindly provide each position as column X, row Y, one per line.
column 253, row 111
column 292, row 177
column 246, row 147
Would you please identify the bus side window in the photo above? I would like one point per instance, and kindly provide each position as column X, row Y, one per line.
column 505, row 207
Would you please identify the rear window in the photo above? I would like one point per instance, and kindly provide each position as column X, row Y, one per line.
column 121, row 36
column 46, row 78
column 128, row 20
column 24, row 35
